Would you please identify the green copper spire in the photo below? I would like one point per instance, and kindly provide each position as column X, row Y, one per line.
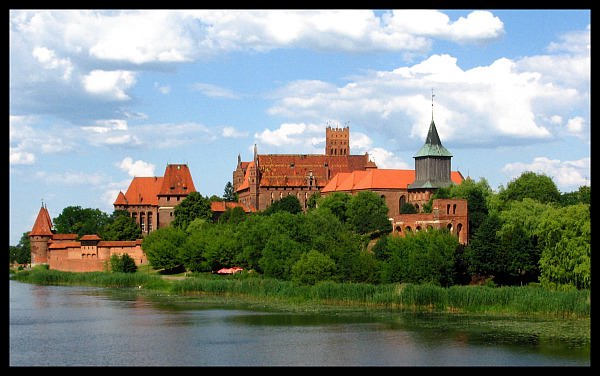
column 433, row 146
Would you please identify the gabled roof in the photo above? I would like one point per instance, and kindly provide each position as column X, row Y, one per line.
column 177, row 181
column 143, row 191
column 246, row 182
column 433, row 146
column 121, row 200
column 90, row 237
column 43, row 224
column 377, row 179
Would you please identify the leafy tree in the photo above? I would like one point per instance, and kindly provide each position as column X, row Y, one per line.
column 482, row 253
column 408, row 208
column 518, row 257
column 421, row 257
column 193, row 206
column 122, row 227
column 581, row 196
column 230, row 195
column 279, row 256
column 122, row 264
column 367, row 213
column 337, row 203
column 233, row 215
column 21, row 253
column 536, row 186
column 311, row 203
column 76, row 220
column 289, row 204
column 565, row 241
column 164, row 246
column 312, row 267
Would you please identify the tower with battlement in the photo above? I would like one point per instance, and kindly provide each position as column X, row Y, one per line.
column 337, row 141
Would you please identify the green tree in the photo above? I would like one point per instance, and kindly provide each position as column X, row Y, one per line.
column 581, row 196
column 536, row 186
column 193, row 206
column 565, row 241
column 164, row 248
column 122, row 264
column 408, row 208
column 482, row 253
column 312, row 267
column 76, row 220
column 311, row 203
column 337, row 203
column 289, row 204
column 230, row 195
column 421, row 257
column 21, row 253
column 367, row 212
column 233, row 215
column 122, row 227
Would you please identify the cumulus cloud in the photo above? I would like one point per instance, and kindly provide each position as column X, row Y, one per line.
column 163, row 89
column 288, row 134
column 387, row 159
column 20, row 157
column 568, row 175
column 50, row 61
column 109, row 84
column 70, row 178
column 137, row 168
column 575, row 125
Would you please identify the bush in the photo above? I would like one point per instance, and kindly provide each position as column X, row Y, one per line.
column 313, row 267
column 122, row 264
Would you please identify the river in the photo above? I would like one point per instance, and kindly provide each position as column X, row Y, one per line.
column 89, row 326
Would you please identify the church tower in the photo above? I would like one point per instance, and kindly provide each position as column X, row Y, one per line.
column 39, row 236
column 432, row 161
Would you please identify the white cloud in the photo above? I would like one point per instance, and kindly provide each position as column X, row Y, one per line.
column 70, row 178
column 568, row 175
column 387, row 159
column 20, row 157
column 231, row 132
column 109, row 84
column 50, row 61
column 137, row 168
column 214, row 91
column 163, row 89
column 575, row 126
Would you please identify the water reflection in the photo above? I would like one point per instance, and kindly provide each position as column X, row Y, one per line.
column 74, row 326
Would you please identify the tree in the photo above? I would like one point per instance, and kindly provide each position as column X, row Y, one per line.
column 122, row 264
column 536, row 186
column 581, row 196
column 193, row 206
column 311, row 203
column 289, row 204
column 76, row 220
column 233, row 215
column 408, row 208
column 122, row 227
column 337, row 203
column 313, row 267
column 230, row 194
column 21, row 253
column 164, row 247
column 565, row 241
column 367, row 213
column 482, row 253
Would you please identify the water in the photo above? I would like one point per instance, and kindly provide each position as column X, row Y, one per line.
column 80, row 326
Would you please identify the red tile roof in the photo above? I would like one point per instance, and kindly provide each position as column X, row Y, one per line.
column 143, row 191
column 221, row 206
column 377, row 179
column 43, row 224
column 177, row 181
column 90, row 237
column 121, row 200
column 63, row 237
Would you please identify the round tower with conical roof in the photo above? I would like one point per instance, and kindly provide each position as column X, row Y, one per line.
column 39, row 237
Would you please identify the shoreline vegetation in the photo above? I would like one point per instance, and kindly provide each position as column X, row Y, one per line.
column 530, row 300
column 531, row 310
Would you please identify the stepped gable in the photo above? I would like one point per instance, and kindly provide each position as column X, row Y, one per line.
column 177, row 181
column 143, row 191
column 43, row 224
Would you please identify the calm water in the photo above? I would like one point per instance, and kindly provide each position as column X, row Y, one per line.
column 78, row 326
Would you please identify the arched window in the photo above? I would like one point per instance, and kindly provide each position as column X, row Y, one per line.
column 429, row 227
column 417, row 207
column 454, row 209
column 448, row 209
column 401, row 202
column 418, row 228
column 458, row 229
column 407, row 229
column 449, row 227
column 398, row 229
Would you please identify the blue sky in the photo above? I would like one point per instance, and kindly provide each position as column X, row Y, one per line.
column 98, row 97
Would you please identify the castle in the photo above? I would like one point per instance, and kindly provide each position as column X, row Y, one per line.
column 151, row 201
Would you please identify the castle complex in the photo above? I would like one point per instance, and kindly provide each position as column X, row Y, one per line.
column 151, row 201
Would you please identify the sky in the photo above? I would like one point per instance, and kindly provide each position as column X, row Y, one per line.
column 97, row 97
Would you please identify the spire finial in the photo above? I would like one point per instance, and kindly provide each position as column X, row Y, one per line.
column 432, row 95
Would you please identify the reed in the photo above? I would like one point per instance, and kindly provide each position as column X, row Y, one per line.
column 526, row 300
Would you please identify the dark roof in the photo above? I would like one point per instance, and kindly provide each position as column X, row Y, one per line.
column 433, row 146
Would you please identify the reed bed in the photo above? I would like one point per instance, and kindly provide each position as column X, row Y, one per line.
column 526, row 300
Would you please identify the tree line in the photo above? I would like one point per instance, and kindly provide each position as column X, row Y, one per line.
column 527, row 232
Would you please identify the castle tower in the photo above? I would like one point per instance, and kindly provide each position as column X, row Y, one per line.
column 177, row 184
column 337, row 141
column 39, row 236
